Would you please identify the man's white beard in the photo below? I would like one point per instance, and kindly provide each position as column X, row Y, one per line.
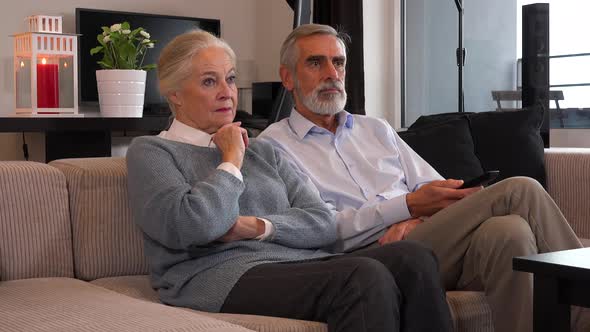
column 323, row 104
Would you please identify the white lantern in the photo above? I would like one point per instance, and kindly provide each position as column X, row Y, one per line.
column 46, row 69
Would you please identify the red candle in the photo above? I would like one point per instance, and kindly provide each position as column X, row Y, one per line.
column 47, row 85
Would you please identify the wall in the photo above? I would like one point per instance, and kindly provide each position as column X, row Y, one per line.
column 244, row 24
column 381, row 41
column 274, row 21
column 431, row 41
column 572, row 138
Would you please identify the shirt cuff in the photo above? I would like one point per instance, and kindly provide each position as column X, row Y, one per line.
column 394, row 210
column 269, row 229
column 231, row 169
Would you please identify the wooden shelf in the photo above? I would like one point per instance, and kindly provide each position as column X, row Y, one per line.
column 46, row 124
column 80, row 137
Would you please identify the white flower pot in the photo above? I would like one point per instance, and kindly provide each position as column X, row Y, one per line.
column 121, row 92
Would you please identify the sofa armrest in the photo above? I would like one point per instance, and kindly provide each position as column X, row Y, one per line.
column 568, row 182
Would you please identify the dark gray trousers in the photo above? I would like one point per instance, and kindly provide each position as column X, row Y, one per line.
column 395, row 287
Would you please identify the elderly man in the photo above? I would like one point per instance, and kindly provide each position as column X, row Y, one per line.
column 382, row 191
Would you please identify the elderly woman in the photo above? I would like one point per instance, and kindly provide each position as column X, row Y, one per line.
column 229, row 226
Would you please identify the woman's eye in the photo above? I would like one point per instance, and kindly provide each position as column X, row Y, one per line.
column 231, row 79
column 208, row 82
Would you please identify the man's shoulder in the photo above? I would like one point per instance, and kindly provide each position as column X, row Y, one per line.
column 369, row 121
column 279, row 134
column 277, row 129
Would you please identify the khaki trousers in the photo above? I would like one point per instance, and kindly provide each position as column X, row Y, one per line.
column 476, row 238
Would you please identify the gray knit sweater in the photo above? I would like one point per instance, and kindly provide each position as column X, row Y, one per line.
column 182, row 203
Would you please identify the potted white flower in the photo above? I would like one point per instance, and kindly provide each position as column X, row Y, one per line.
column 121, row 81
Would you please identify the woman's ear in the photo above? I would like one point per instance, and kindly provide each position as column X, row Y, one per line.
column 175, row 98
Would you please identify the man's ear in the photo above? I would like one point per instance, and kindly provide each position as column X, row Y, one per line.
column 287, row 78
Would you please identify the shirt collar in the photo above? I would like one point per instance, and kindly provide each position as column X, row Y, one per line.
column 181, row 132
column 303, row 126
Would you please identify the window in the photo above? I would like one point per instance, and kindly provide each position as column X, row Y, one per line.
column 430, row 63
column 569, row 62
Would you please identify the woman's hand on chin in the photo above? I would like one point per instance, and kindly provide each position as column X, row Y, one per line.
column 232, row 141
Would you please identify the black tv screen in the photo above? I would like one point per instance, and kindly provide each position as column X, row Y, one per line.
column 161, row 28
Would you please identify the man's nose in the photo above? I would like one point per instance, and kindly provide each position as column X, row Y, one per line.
column 330, row 71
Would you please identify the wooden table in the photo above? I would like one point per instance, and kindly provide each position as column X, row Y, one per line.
column 561, row 279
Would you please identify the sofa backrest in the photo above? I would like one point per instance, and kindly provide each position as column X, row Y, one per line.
column 35, row 234
column 568, row 183
column 106, row 242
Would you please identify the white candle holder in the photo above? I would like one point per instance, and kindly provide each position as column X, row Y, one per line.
column 46, row 69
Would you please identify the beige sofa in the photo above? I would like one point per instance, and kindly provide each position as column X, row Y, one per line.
column 72, row 260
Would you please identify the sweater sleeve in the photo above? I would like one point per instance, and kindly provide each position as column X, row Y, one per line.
column 308, row 223
column 173, row 212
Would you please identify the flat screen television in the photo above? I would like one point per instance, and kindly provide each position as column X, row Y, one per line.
column 161, row 28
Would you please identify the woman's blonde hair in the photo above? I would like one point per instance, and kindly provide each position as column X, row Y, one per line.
column 175, row 62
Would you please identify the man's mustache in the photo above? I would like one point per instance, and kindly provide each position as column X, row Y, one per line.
column 330, row 85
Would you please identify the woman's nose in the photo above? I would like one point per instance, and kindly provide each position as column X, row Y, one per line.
column 225, row 90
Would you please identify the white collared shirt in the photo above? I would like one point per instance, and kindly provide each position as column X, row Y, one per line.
column 180, row 132
column 363, row 171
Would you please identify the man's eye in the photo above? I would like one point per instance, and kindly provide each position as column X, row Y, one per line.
column 339, row 63
column 208, row 82
column 314, row 63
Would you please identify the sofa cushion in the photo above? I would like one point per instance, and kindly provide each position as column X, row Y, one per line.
column 35, row 235
column 106, row 242
column 433, row 119
column 268, row 324
column 470, row 311
column 65, row 304
column 139, row 287
column 508, row 141
column 448, row 147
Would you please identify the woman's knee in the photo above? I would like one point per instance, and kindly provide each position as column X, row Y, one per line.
column 371, row 290
column 367, row 272
column 414, row 256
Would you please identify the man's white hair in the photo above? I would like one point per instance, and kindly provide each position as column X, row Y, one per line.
column 289, row 50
